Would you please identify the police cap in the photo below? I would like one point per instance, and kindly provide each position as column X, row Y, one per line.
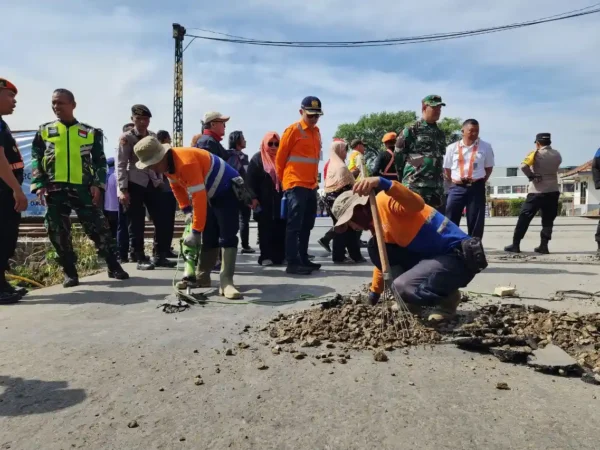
column 542, row 137
column 140, row 110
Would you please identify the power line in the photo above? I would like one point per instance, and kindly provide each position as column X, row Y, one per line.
column 592, row 9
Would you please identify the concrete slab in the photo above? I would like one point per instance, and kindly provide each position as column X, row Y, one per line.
column 77, row 366
column 553, row 359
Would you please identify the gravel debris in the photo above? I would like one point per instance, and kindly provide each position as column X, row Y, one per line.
column 502, row 386
column 133, row 424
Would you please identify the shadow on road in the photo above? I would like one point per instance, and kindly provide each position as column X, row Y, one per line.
column 23, row 397
column 271, row 294
column 81, row 296
column 533, row 271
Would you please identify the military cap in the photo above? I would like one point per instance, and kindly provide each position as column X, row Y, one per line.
column 140, row 110
column 356, row 142
column 433, row 100
column 542, row 137
column 312, row 105
column 5, row 84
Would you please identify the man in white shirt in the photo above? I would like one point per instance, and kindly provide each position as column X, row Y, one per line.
column 468, row 164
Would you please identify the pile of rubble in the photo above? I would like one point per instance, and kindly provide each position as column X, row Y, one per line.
column 513, row 333
column 352, row 324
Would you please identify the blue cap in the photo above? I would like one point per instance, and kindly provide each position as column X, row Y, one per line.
column 312, row 105
column 110, row 162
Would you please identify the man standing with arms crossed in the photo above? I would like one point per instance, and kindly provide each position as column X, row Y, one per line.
column 420, row 150
column 12, row 198
column 297, row 165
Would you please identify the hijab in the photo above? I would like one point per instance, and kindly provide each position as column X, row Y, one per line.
column 338, row 174
column 267, row 155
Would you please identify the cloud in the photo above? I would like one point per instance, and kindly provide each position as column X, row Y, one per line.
column 516, row 83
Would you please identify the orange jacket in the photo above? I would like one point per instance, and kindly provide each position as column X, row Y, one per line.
column 297, row 160
column 191, row 168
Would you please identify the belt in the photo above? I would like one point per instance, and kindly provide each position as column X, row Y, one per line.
column 17, row 166
column 470, row 183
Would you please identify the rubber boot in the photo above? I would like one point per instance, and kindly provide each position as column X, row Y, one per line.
column 227, row 289
column 208, row 259
column 71, row 276
column 543, row 248
column 446, row 308
column 114, row 269
column 514, row 248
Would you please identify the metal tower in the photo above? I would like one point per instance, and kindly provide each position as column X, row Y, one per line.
column 178, row 35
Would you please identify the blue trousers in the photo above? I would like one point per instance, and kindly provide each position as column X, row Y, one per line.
column 423, row 281
column 222, row 221
column 473, row 198
column 301, row 213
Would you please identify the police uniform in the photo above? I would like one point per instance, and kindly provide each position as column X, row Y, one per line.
column 541, row 167
column 67, row 160
column 420, row 150
column 145, row 193
column 9, row 224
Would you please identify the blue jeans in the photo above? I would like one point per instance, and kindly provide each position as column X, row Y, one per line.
column 222, row 221
column 473, row 198
column 301, row 213
column 424, row 281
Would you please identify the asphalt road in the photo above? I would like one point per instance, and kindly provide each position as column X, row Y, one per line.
column 77, row 366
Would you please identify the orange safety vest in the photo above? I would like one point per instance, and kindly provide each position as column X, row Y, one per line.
column 461, row 161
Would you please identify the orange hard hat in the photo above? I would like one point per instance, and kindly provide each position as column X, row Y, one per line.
column 391, row 136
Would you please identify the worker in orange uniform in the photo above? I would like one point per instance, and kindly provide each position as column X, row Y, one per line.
column 384, row 164
column 204, row 177
column 431, row 257
column 297, row 166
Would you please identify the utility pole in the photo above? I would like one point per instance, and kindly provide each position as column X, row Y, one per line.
column 178, row 35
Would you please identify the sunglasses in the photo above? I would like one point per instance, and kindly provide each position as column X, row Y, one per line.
column 273, row 144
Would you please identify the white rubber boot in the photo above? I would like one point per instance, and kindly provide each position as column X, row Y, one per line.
column 227, row 289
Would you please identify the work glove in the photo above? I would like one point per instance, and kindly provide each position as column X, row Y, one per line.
column 374, row 298
column 194, row 239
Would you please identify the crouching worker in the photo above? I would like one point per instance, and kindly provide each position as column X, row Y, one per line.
column 430, row 257
column 213, row 212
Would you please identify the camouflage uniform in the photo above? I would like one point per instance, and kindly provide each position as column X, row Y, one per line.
column 63, row 197
column 419, row 157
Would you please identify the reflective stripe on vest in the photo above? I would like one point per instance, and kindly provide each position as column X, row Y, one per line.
column 195, row 188
column 17, row 166
column 303, row 159
column 68, row 146
column 390, row 164
column 213, row 184
column 461, row 160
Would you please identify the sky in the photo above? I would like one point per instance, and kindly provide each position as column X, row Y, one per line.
column 113, row 54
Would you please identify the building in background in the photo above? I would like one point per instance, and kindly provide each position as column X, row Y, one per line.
column 510, row 182
column 585, row 197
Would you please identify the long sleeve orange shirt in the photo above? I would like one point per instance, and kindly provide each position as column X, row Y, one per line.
column 297, row 159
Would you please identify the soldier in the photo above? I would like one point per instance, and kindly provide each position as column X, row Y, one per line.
column 140, row 190
column 69, row 173
column 541, row 167
column 12, row 198
column 420, row 150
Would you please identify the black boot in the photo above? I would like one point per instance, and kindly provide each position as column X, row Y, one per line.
column 161, row 260
column 115, row 270
column 143, row 262
column 514, row 248
column 311, row 265
column 247, row 249
column 543, row 248
column 8, row 291
column 295, row 269
column 71, row 276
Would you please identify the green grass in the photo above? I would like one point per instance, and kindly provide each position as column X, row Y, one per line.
column 37, row 260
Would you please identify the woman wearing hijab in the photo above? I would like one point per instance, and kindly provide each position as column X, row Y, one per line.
column 263, row 181
column 339, row 179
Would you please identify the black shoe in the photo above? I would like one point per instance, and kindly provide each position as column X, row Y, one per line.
column 8, row 288
column 144, row 263
column 311, row 265
column 9, row 298
column 133, row 257
column 123, row 259
column 311, row 257
column 161, row 261
column 360, row 261
column 298, row 270
column 115, row 270
column 171, row 254
column 323, row 243
column 542, row 249
column 514, row 248
column 70, row 281
column 248, row 249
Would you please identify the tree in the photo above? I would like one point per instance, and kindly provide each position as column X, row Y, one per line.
column 371, row 128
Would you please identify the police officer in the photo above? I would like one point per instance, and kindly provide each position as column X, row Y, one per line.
column 541, row 167
column 168, row 204
column 420, row 150
column 123, row 227
column 12, row 198
column 140, row 190
column 69, row 173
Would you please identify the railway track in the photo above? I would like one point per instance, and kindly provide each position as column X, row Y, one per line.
column 33, row 227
